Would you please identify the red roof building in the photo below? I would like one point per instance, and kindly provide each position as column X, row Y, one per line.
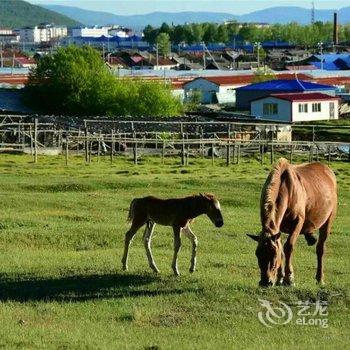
column 296, row 107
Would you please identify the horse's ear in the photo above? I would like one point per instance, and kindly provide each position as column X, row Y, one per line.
column 275, row 237
column 254, row 237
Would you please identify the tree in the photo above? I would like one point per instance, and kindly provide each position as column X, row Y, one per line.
column 261, row 75
column 163, row 42
column 150, row 34
column 210, row 33
column 222, row 34
column 75, row 81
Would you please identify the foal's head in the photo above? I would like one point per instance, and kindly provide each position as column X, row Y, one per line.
column 270, row 257
column 212, row 208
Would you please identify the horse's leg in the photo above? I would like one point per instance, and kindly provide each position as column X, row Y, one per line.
column 288, row 250
column 147, row 237
column 325, row 230
column 177, row 246
column 280, row 272
column 128, row 238
column 188, row 232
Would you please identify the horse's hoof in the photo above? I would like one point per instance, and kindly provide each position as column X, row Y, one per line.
column 288, row 283
column 192, row 270
column 125, row 268
column 321, row 283
column 279, row 282
column 310, row 239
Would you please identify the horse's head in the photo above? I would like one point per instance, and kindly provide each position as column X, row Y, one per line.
column 212, row 208
column 270, row 257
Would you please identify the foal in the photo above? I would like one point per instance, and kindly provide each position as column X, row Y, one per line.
column 178, row 213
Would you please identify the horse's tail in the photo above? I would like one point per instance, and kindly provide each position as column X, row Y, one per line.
column 131, row 210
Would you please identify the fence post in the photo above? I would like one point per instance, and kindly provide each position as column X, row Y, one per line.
column 329, row 154
column 112, row 145
column 31, row 139
column 228, row 153
column 272, row 155
column 183, row 150
column 234, row 152
column 99, row 147
column 86, row 145
column 67, row 146
column 135, row 149
column 35, row 140
column 212, row 154
column 188, row 154
column 311, row 153
column 90, row 151
column 239, row 153
column 261, row 153
column 291, row 154
column 163, row 152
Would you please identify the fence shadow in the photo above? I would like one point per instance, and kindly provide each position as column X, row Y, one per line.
column 80, row 288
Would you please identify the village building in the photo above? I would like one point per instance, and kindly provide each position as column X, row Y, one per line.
column 246, row 94
column 42, row 33
column 296, row 107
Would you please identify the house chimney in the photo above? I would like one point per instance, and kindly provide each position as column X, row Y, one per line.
column 335, row 29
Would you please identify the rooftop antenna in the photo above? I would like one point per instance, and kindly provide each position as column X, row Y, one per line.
column 313, row 13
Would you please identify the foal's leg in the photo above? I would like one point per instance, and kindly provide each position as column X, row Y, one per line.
column 288, row 250
column 325, row 230
column 128, row 238
column 177, row 246
column 147, row 237
column 188, row 232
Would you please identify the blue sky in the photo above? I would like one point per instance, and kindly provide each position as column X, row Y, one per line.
column 230, row 6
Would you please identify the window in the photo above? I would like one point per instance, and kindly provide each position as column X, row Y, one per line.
column 303, row 108
column 316, row 107
column 270, row 108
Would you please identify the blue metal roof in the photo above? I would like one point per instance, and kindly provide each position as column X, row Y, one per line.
column 293, row 85
column 331, row 57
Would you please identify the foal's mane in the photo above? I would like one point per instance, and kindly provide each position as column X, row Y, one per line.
column 271, row 189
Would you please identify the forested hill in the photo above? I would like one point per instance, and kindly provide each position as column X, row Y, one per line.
column 18, row 13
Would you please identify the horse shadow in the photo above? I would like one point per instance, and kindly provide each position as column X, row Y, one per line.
column 85, row 287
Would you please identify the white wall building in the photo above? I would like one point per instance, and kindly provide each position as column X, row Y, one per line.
column 93, row 32
column 42, row 33
column 296, row 107
column 220, row 89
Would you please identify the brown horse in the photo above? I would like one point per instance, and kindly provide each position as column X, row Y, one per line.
column 296, row 199
column 177, row 213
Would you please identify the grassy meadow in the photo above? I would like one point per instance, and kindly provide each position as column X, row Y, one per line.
column 61, row 239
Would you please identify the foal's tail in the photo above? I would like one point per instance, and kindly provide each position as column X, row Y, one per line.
column 131, row 210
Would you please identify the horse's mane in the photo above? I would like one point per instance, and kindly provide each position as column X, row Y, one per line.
column 271, row 189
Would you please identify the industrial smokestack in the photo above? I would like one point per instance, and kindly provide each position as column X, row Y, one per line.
column 335, row 29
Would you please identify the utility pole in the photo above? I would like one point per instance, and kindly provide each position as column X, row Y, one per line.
column 313, row 12
column 258, row 46
column 157, row 56
column 1, row 57
column 204, row 59
column 320, row 45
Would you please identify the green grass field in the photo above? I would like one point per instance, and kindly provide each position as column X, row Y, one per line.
column 61, row 239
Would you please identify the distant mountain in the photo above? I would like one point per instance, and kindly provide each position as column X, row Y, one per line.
column 271, row 15
column 155, row 18
column 18, row 13
column 287, row 14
